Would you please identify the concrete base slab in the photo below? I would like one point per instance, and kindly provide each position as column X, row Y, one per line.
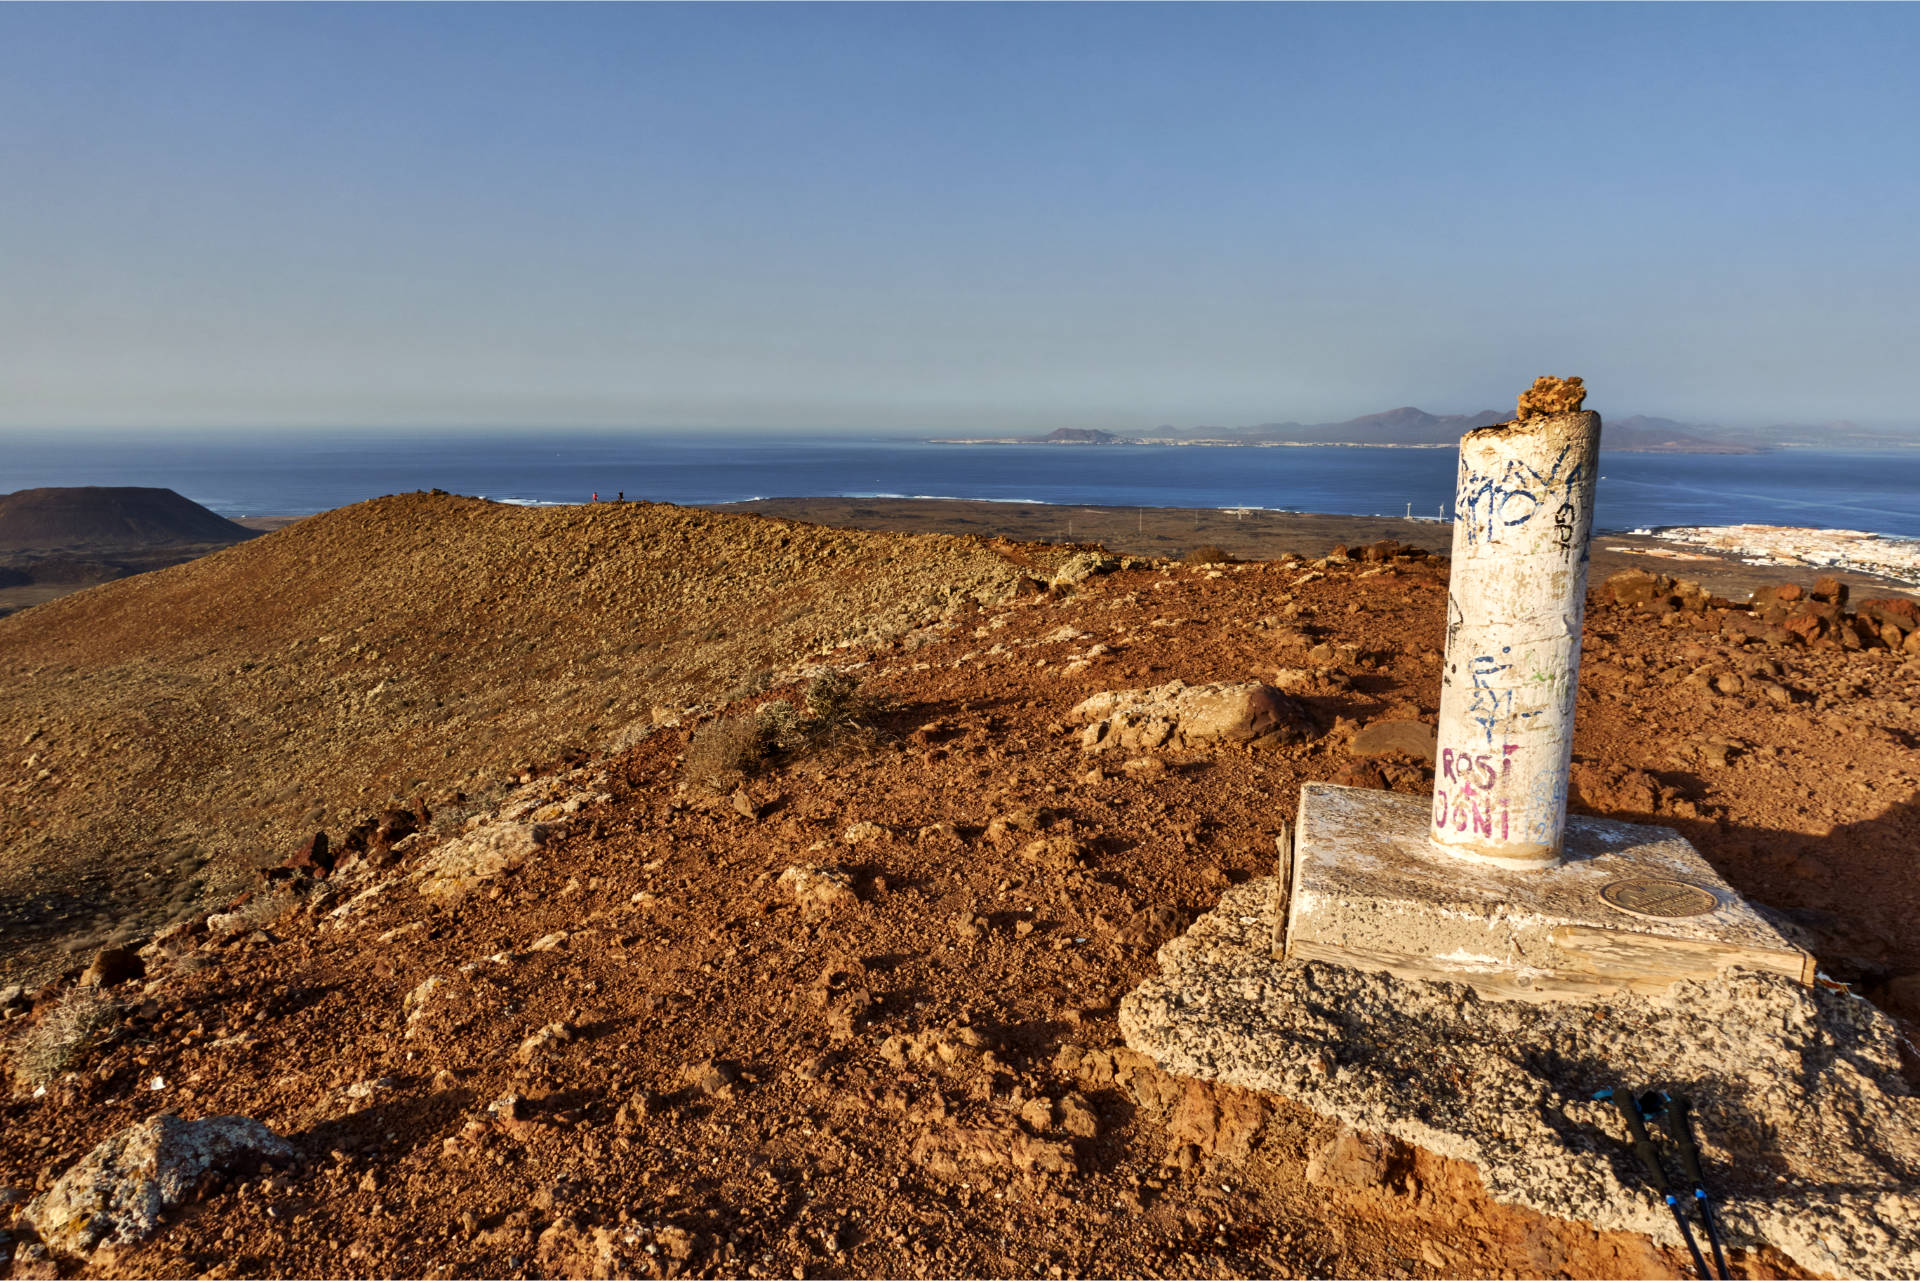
column 1809, row 1131
column 1631, row 908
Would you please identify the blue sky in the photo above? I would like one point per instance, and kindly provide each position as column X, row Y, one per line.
column 952, row 217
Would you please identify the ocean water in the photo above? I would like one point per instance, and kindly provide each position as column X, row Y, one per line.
column 282, row 473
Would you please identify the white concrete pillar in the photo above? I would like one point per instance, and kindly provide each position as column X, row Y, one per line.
column 1523, row 517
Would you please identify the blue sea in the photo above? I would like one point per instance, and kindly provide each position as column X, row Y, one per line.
column 281, row 473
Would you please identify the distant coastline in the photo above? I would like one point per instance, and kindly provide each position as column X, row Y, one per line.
column 1161, row 440
column 1404, row 428
column 1703, row 447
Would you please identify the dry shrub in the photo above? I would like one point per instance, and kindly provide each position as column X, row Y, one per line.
column 1209, row 554
column 262, row 910
column 748, row 686
column 835, row 698
column 63, row 1035
column 834, row 718
column 725, row 748
column 839, row 717
column 782, row 728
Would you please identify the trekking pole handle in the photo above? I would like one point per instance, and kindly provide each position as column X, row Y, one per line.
column 1650, row 1158
column 1642, row 1145
column 1680, row 1126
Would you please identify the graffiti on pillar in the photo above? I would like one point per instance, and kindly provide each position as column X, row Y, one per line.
column 1563, row 530
column 1473, row 798
column 1541, row 807
column 1515, row 491
column 1474, row 795
column 1488, row 705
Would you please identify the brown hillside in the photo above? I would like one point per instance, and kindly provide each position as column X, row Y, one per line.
column 167, row 732
column 95, row 517
column 636, row 1051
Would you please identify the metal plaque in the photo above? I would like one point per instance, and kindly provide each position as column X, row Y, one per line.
column 1659, row 898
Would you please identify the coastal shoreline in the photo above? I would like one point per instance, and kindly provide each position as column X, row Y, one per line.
column 1251, row 533
column 1726, row 448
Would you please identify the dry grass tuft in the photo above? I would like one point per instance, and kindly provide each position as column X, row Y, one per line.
column 1209, row 554
column 64, row 1035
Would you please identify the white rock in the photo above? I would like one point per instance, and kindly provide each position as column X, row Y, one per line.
column 547, row 1040
column 1180, row 715
column 818, row 890
column 421, row 997
column 119, row 1191
column 456, row 866
column 221, row 924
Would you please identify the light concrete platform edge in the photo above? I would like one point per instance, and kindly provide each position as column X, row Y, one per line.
column 1370, row 889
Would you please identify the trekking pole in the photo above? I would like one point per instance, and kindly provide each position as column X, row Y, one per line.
column 1650, row 1159
column 1680, row 1127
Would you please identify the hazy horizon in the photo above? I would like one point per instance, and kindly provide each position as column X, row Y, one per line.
column 927, row 220
column 1766, row 432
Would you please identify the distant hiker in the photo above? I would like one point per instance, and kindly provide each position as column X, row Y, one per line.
column 620, row 497
column 596, row 496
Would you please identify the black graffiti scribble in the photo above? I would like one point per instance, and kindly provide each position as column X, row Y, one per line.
column 1511, row 495
column 1563, row 530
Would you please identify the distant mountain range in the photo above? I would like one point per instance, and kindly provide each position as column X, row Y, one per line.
column 1408, row 427
column 1640, row 434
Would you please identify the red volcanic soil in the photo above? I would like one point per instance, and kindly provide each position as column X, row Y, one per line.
column 636, row 1053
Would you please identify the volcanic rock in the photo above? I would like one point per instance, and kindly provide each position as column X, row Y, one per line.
column 1640, row 589
column 948, row 1152
column 1078, row 1117
column 1549, row 396
column 1355, row 1159
column 119, row 1191
column 1816, row 1163
column 818, row 891
column 1902, row 613
column 548, row 1040
column 113, row 965
column 713, row 1077
column 456, row 866
column 1179, row 715
column 313, row 857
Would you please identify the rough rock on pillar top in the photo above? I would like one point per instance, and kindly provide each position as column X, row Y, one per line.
column 1549, row 397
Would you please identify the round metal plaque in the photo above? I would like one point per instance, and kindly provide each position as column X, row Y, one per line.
column 1660, row 899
